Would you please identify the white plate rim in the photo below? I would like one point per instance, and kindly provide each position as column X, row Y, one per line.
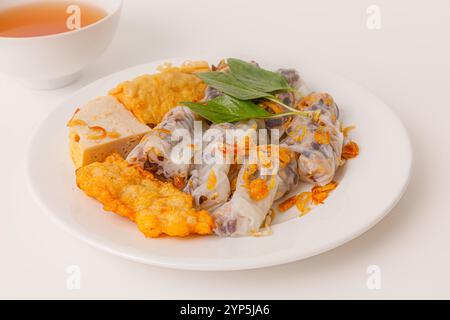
column 288, row 258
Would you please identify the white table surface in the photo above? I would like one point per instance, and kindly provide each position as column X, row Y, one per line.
column 406, row 63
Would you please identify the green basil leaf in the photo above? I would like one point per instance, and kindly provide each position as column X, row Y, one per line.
column 257, row 78
column 247, row 109
column 215, row 116
column 228, row 84
column 228, row 109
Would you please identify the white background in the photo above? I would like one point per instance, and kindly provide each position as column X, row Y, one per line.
column 406, row 63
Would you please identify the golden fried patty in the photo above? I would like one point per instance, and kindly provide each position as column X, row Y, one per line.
column 150, row 97
column 157, row 207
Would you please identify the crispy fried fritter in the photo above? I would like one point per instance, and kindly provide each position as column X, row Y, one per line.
column 150, row 97
column 157, row 207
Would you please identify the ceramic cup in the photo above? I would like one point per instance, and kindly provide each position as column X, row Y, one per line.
column 54, row 61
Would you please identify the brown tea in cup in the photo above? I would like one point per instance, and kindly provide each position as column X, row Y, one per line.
column 47, row 18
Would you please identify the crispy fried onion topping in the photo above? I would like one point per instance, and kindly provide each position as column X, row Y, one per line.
column 305, row 200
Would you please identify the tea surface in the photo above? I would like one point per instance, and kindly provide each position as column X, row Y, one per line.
column 40, row 19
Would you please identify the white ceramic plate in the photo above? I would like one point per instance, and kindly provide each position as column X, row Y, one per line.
column 370, row 186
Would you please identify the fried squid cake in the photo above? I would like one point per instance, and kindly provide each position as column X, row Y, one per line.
column 150, row 97
column 157, row 207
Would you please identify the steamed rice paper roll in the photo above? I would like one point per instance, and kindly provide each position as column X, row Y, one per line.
column 209, row 183
column 323, row 102
column 209, row 186
column 288, row 177
column 210, row 92
column 154, row 152
column 288, row 98
column 317, row 140
column 255, row 193
column 294, row 79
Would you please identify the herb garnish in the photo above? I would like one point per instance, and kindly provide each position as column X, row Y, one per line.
column 229, row 84
column 229, row 109
column 243, row 83
column 257, row 78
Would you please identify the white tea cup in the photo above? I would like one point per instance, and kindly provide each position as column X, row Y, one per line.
column 54, row 61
